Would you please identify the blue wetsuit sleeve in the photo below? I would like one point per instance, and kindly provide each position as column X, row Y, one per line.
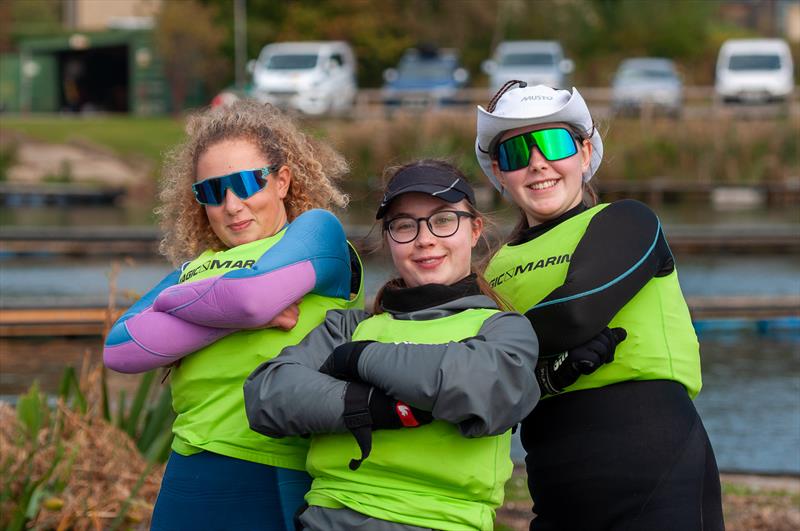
column 622, row 249
column 147, row 300
column 312, row 257
column 143, row 339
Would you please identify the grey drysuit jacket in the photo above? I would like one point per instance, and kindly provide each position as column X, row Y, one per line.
column 484, row 384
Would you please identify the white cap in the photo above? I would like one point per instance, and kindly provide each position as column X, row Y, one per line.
column 523, row 106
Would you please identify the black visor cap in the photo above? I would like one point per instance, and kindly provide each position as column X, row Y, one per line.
column 431, row 180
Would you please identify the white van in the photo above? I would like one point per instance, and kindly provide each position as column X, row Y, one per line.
column 311, row 77
column 535, row 62
column 754, row 70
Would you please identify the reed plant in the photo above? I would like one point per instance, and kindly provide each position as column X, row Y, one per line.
column 724, row 151
column 68, row 464
column 721, row 150
column 73, row 461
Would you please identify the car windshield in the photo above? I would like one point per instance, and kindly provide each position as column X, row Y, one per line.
column 528, row 59
column 425, row 70
column 755, row 62
column 292, row 61
column 632, row 74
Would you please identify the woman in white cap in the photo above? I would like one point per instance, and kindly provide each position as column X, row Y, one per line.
column 428, row 386
column 616, row 443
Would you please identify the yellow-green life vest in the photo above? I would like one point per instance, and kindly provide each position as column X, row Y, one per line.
column 661, row 342
column 431, row 476
column 207, row 385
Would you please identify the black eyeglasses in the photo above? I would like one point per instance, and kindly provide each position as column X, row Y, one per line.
column 442, row 224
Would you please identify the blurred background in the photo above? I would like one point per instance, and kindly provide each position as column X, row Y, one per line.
column 697, row 101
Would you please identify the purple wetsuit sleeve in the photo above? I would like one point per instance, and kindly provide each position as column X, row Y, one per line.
column 144, row 339
column 247, row 302
column 312, row 257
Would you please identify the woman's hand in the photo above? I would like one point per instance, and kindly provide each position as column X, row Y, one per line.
column 287, row 319
column 555, row 374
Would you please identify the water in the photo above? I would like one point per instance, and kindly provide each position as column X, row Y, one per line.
column 750, row 401
column 761, row 275
column 85, row 282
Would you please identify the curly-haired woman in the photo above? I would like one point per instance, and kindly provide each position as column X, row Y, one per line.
column 242, row 210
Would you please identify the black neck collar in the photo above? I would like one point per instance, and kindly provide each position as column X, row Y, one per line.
column 537, row 230
column 400, row 299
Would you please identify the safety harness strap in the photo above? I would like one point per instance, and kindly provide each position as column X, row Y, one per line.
column 357, row 419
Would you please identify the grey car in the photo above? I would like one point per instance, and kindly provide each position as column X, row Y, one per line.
column 645, row 82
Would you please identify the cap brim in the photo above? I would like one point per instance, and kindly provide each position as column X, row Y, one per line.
column 451, row 196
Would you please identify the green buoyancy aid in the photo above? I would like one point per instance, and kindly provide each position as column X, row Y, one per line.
column 430, row 476
column 661, row 342
column 207, row 385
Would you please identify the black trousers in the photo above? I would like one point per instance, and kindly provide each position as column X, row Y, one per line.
column 626, row 457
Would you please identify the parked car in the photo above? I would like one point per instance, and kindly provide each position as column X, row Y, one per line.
column 754, row 70
column 425, row 77
column 535, row 62
column 647, row 81
column 311, row 77
column 230, row 94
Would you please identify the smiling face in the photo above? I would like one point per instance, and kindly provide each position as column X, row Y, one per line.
column 544, row 190
column 429, row 259
column 239, row 221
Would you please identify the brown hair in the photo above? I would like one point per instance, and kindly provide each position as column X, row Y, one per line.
column 315, row 168
column 477, row 265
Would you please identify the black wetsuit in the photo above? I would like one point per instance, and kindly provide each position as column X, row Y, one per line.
column 628, row 456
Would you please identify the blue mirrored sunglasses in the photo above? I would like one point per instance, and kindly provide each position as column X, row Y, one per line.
column 554, row 144
column 243, row 183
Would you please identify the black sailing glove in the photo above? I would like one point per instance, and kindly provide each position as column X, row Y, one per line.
column 555, row 374
column 343, row 361
column 367, row 408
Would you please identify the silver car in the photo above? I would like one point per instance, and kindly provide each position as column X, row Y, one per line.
column 647, row 82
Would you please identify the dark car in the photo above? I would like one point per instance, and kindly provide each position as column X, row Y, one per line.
column 424, row 78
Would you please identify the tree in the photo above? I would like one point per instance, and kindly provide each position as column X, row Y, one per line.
column 27, row 18
column 188, row 41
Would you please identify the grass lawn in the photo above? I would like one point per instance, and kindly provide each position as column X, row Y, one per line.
column 128, row 136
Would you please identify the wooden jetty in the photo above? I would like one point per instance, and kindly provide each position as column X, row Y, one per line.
column 688, row 239
column 92, row 321
column 659, row 190
column 744, row 307
column 39, row 195
column 80, row 241
column 71, row 321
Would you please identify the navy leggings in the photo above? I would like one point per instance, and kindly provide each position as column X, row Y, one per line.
column 212, row 492
column 627, row 457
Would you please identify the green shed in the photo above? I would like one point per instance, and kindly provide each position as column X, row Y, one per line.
column 109, row 71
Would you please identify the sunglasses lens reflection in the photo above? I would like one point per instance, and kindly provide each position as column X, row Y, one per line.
column 244, row 184
column 554, row 144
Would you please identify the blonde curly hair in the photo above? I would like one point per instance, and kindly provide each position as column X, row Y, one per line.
column 315, row 168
